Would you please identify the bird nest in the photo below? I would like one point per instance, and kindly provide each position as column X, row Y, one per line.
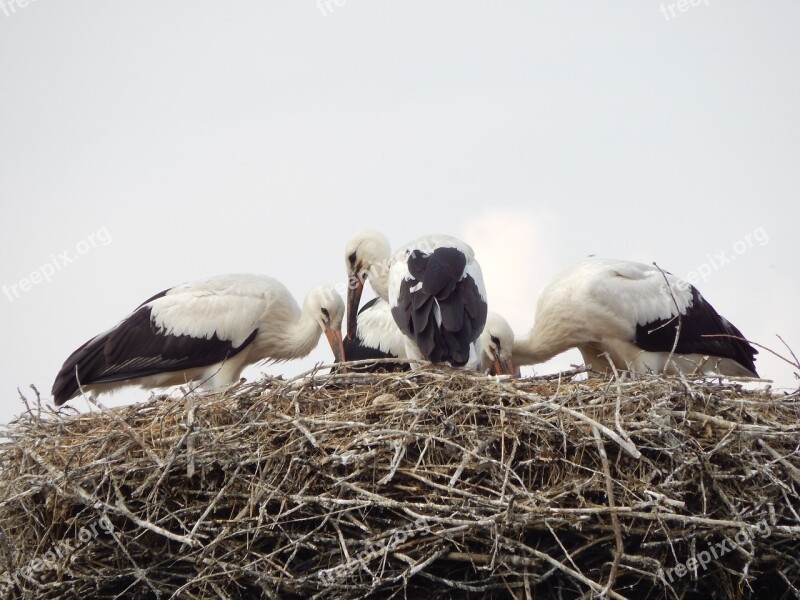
column 428, row 484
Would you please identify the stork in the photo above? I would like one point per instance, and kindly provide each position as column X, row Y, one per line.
column 377, row 336
column 205, row 331
column 496, row 344
column 634, row 313
column 434, row 288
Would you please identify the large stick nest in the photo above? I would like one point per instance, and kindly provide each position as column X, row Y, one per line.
column 427, row 484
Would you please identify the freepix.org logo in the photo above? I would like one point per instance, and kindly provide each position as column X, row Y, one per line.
column 10, row 7
column 61, row 551
column 714, row 552
column 58, row 262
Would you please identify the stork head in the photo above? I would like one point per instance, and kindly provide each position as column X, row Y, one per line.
column 366, row 254
column 496, row 344
column 325, row 305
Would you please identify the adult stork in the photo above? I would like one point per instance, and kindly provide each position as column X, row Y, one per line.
column 377, row 336
column 634, row 312
column 434, row 288
column 204, row 331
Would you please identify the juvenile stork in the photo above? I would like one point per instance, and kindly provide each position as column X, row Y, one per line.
column 205, row 331
column 434, row 288
column 496, row 344
column 377, row 336
column 634, row 312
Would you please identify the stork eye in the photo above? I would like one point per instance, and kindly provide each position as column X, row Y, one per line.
column 495, row 341
column 352, row 259
column 325, row 312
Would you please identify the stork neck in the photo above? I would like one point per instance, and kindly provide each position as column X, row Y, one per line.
column 379, row 279
column 301, row 337
column 532, row 351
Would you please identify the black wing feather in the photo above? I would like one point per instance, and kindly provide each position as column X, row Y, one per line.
column 355, row 349
column 460, row 306
column 138, row 348
column 700, row 326
column 443, row 272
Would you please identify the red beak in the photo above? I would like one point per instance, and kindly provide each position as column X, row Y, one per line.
column 335, row 340
column 502, row 366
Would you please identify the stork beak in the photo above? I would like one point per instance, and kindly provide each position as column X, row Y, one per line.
column 335, row 340
column 354, row 288
column 502, row 366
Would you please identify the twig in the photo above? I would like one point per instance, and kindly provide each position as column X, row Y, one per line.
column 612, row 576
column 678, row 315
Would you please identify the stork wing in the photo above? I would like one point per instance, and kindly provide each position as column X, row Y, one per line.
column 440, row 304
column 658, row 301
column 182, row 328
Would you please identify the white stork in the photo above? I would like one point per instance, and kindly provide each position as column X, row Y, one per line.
column 496, row 344
column 434, row 288
column 376, row 336
column 633, row 312
column 205, row 331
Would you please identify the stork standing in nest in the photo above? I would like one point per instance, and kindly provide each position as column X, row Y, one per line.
column 205, row 331
column 644, row 319
column 434, row 288
column 376, row 337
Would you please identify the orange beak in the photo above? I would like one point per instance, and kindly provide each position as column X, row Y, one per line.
column 502, row 366
column 335, row 340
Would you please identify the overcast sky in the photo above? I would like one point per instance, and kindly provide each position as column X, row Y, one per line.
column 144, row 144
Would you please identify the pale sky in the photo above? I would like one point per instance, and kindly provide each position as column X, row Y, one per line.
column 151, row 143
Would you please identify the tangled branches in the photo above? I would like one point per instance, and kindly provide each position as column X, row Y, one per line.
column 417, row 485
